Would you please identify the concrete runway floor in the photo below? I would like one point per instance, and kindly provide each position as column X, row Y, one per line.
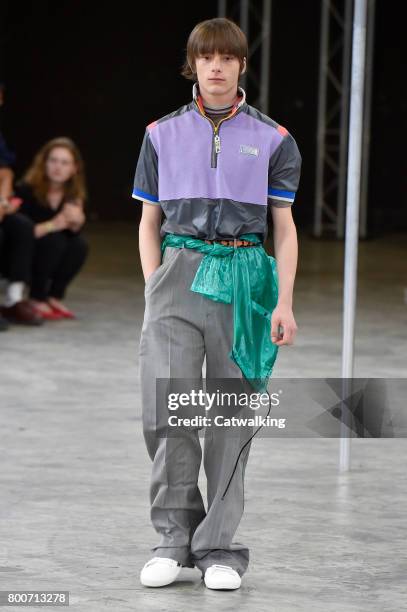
column 74, row 476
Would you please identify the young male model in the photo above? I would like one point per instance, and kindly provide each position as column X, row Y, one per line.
column 213, row 166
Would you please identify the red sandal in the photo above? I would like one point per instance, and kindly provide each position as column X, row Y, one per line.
column 48, row 316
column 63, row 313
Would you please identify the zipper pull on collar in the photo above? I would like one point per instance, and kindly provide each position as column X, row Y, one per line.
column 217, row 143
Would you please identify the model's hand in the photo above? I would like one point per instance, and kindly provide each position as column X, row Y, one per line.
column 283, row 315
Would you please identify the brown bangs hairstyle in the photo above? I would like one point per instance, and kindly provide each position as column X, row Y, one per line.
column 219, row 34
column 36, row 176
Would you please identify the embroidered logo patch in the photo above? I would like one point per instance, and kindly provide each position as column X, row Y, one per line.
column 248, row 150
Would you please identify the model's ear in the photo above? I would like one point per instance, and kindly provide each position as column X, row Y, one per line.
column 244, row 66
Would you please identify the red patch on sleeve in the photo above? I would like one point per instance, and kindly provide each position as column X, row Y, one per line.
column 151, row 125
column 281, row 130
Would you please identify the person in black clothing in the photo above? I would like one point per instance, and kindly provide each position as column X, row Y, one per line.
column 53, row 193
column 16, row 250
column 16, row 245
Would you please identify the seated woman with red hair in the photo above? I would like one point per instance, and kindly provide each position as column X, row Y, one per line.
column 53, row 194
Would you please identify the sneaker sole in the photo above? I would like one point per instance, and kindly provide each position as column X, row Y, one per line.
column 152, row 583
column 223, row 588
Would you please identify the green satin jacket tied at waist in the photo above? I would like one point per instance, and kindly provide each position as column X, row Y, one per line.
column 247, row 278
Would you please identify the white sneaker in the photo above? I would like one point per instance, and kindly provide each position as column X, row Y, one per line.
column 159, row 571
column 222, row 577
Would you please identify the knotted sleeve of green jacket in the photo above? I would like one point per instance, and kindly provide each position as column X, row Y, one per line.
column 247, row 278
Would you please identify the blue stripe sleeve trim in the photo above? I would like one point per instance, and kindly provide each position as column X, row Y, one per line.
column 283, row 194
column 143, row 194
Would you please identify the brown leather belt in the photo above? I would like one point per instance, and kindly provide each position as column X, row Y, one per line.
column 234, row 242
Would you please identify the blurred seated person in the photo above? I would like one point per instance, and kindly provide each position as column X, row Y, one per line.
column 53, row 193
column 16, row 245
column 16, row 250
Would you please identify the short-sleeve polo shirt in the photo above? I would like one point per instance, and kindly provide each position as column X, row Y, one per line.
column 217, row 188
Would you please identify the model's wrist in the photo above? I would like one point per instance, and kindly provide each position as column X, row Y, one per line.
column 286, row 302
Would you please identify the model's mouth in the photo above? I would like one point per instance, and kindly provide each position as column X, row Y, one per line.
column 216, row 79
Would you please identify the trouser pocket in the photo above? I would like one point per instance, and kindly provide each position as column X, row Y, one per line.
column 170, row 254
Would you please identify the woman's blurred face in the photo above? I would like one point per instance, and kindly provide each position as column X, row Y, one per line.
column 60, row 165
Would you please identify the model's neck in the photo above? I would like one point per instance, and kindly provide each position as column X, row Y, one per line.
column 216, row 101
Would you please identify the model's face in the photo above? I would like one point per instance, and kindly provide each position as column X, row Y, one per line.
column 217, row 73
column 60, row 165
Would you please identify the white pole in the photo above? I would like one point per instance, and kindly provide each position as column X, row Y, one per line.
column 366, row 118
column 352, row 217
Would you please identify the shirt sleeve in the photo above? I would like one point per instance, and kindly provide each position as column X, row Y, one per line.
column 30, row 206
column 284, row 172
column 145, row 186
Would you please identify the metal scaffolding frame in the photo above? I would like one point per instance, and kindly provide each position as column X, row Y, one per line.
column 333, row 116
column 333, row 113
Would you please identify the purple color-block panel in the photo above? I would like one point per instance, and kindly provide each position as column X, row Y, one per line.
column 184, row 143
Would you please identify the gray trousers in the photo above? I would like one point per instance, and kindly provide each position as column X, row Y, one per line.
column 180, row 330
